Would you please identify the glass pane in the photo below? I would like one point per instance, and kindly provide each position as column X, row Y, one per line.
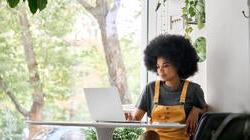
column 50, row 56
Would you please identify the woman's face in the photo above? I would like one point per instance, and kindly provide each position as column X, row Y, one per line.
column 165, row 70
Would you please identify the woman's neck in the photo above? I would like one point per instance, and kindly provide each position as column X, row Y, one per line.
column 173, row 84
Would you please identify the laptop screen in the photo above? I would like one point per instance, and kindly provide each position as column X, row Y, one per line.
column 104, row 104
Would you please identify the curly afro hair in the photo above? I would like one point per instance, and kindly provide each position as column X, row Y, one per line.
column 176, row 49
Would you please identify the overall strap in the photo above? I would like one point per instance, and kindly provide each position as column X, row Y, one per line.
column 157, row 91
column 184, row 91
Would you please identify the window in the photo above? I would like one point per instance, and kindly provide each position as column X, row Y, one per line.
column 73, row 49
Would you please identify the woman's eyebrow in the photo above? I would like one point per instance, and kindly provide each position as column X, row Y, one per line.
column 166, row 63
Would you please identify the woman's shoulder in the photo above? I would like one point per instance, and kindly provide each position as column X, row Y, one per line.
column 194, row 89
column 151, row 83
column 193, row 84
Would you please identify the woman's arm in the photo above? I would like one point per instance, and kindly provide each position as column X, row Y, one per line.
column 192, row 119
column 199, row 107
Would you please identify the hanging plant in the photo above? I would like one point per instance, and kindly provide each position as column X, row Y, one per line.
column 193, row 14
column 194, row 17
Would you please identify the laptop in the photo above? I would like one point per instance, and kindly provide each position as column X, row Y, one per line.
column 104, row 104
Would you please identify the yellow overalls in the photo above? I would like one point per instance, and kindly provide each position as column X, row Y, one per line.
column 173, row 113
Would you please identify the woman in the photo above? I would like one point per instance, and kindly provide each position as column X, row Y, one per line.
column 173, row 98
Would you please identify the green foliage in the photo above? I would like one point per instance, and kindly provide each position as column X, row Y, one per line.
column 55, row 21
column 12, row 67
column 90, row 134
column 93, row 58
column 60, row 64
column 132, row 58
column 13, row 3
column 54, row 69
column 194, row 14
column 9, row 26
column 41, row 4
column 118, row 134
column 10, row 125
column 34, row 5
column 127, row 133
column 200, row 47
column 54, row 65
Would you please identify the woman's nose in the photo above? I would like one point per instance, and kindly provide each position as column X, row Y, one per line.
column 160, row 68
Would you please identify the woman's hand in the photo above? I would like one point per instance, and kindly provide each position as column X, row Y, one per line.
column 128, row 116
column 192, row 120
column 136, row 115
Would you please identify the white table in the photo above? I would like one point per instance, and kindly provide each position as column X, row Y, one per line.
column 105, row 129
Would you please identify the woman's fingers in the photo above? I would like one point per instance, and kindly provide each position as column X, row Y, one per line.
column 191, row 124
column 193, row 128
column 128, row 116
column 188, row 126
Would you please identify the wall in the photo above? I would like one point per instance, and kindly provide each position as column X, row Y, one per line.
column 228, row 55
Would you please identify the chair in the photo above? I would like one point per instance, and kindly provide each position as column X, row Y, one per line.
column 208, row 124
column 234, row 127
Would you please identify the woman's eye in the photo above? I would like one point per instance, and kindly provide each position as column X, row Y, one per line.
column 165, row 65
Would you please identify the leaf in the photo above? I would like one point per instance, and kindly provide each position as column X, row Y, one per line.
column 200, row 47
column 189, row 29
column 200, row 24
column 195, row 3
column 41, row 4
column 13, row 3
column 191, row 11
column 33, row 6
column 191, row 2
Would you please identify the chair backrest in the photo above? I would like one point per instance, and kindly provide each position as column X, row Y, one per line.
column 208, row 124
column 234, row 127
